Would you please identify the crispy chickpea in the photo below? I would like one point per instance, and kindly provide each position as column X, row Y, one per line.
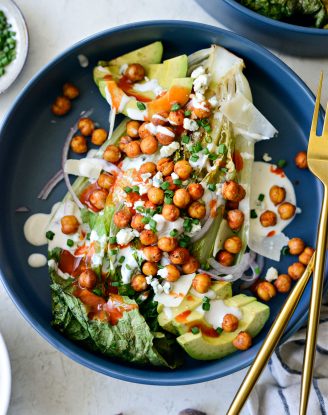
column 156, row 195
column 139, row 282
column 149, row 145
column 69, row 224
column 149, row 268
column 225, row 258
column 173, row 274
column 70, row 91
column 86, row 126
column 148, row 237
column 183, row 169
column 148, row 167
column 191, row 265
column 265, row 290
column 296, row 246
column 79, row 144
column 160, row 119
column 132, row 128
column 122, row 218
column 165, row 136
column 296, row 270
column 171, row 183
column 179, row 256
column 152, row 253
column 235, row 219
column 268, row 218
column 283, row 283
column 167, row 243
column 170, row 212
column 201, row 283
column 135, row 72
column 106, row 180
column 243, row 341
column 124, row 141
column 203, row 110
column 98, row 198
column 151, row 205
column 137, row 222
column 230, row 323
column 87, row 279
column 197, row 210
column 165, row 166
column 61, row 106
column 306, row 255
column 301, row 160
column 233, row 245
column 133, row 149
column 112, row 154
column 176, row 117
column 286, row 210
column 195, row 190
column 277, row 194
column 181, row 198
column 143, row 131
column 99, row 136
column 233, row 191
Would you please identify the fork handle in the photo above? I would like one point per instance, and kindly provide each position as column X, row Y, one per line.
column 315, row 305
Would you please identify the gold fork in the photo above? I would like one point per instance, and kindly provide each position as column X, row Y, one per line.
column 318, row 164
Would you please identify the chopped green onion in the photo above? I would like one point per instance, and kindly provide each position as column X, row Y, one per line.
column 206, row 151
column 195, row 221
column 168, row 200
column 70, row 242
column 187, row 113
column 88, row 236
column 169, row 193
column 115, row 284
column 212, row 187
column 257, row 270
column 208, row 139
column 213, row 156
column 153, row 224
column 127, row 189
column 141, row 106
column 183, row 244
column 121, row 260
column 281, row 163
column 175, row 107
column 145, row 219
column 194, row 157
column 261, row 197
column 206, row 306
column 206, row 299
column 127, row 266
column 285, row 250
column 195, row 330
column 196, row 148
column 113, row 251
column 253, row 214
column 50, row 235
column 223, row 169
column 140, row 209
column 207, row 128
column 135, row 189
column 177, row 182
column 222, row 149
column 112, row 239
column 205, row 266
column 174, row 233
column 97, row 291
column 159, row 209
column 185, row 139
column 165, row 185
column 219, row 330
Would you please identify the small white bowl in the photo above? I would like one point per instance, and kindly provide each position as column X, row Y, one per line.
column 15, row 17
column 5, row 378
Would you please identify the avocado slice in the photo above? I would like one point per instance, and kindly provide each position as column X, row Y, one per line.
column 202, row 347
column 151, row 53
column 166, row 316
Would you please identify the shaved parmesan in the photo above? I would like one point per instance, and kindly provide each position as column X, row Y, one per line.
column 179, row 290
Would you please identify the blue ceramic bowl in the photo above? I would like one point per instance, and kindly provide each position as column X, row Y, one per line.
column 30, row 149
column 285, row 37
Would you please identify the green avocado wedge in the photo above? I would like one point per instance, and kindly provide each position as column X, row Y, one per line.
column 151, row 53
column 201, row 347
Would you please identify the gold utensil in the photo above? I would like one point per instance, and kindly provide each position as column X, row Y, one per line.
column 318, row 164
column 270, row 342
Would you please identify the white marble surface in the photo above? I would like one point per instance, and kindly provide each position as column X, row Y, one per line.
column 45, row 381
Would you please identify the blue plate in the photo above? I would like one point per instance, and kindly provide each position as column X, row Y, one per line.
column 285, row 37
column 31, row 141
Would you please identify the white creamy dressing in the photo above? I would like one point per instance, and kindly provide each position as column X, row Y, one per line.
column 218, row 309
column 164, row 227
column 201, row 162
column 124, row 101
column 262, row 181
column 210, row 294
column 129, row 266
column 136, row 114
column 37, row 260
column 179, row 290
column 167, row 151
column 136, row 163
column 151, row 85
column 154, row 129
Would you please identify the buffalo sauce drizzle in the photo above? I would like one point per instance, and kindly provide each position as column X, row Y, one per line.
column 206, row 330
column 127, row 87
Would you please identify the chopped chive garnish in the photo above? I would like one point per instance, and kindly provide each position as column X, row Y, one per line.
column 88, row 236
column 127, row 189
column 169, row 193
column 175, row 107
column 206, row 150
column 177, row 182
column 140, row 209
column 160, row 266
column 168, row 200
column 174, row 233
column 196, row 148
column 213, row 156
column 212, row 187
column 127, row 266
column 153, row 224
column 97, row 291
column 281, row 163
column 206, row 306
column 113, row 251
column 183, row 244
column 261, row 197
column 112, row 239
column 121, row 260
column 165, row 185
column 187, row 113
column 222, row 149
column 185, row 139
column 135, row 189
column 257, row 270
column 159, row 209
column 50, row 235
column 194, row 157
column 70, row 242
column 195, row 221
column 145, row 219
column 224, row 169
column 207, row 128
column 206, row 299
column 195, row 330
column 115, row 284
column 253, row 214
column 285, row 250
column 205, row 266
column 219, row 330
column 141, row 106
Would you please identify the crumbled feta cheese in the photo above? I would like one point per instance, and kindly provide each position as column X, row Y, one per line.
column 149, row 279
column 142, row 189
column 195, row 228
column 196, row 135
column 168, row 150
column 298, row 210
column 157, row 179
column 201, row 84
column 271, row 274
column 174, row 176
column 266, row 157
column 138, row 203
column 190, row 125
column 145, row 176
column 166, row 287
column 147, row 226
column 124, row 236
column 163, row 272
column 213, row 101
column 200, row 163
column 96, row 260
column 156, row 286
column 197, row 72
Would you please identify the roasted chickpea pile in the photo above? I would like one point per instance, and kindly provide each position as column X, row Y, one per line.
column 62, row 104
column 87, row 128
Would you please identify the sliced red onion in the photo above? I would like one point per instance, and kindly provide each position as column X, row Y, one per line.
column 68, row 140
column 22, row 209
column 208, row 223
column 213, row 274
column 50, row 185
column 256, row 267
